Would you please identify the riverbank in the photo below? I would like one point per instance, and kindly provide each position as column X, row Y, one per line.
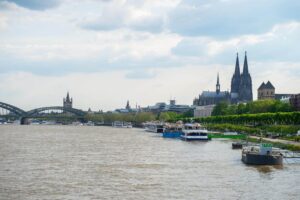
column 283, row 144
column 283, row 140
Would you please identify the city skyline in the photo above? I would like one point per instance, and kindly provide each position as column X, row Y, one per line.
column 107, row 52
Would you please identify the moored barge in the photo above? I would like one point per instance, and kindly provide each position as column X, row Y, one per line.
column 262, row 155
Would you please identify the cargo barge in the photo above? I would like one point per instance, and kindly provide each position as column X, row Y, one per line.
column 262, row 155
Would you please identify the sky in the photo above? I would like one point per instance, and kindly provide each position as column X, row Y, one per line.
column 105, row 52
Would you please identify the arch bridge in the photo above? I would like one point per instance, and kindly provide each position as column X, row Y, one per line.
column 13, row 109
column 35, row 112
column 23, row 115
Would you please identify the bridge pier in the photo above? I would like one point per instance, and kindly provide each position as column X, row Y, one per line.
column 24, row 121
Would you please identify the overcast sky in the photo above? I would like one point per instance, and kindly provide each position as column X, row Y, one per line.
column 105, row 52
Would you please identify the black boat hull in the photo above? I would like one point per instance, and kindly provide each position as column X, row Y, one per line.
column 237, row 146
column 256, row 159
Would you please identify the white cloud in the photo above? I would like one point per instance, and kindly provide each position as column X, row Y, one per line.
column 272, row 45
column 3, row 22
column 150, row 45
column 98, row 51
column 223, row 19
column 149, row 16
column 35, row 4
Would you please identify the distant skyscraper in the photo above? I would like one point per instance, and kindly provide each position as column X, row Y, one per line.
column 68, row 102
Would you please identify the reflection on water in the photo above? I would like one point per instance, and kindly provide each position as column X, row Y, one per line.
column 65, row 162
column 267, row 168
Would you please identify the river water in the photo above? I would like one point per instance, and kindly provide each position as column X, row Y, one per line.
column 76, row 162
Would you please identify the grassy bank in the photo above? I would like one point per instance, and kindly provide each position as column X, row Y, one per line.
column 277, row 144
column 278, row 130
column 282, row 131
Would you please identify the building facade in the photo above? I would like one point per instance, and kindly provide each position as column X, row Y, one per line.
column 172, row 107
column 295, row 101
column 212, row 97
column 68, row 102
column 266, row 91
column 203, row 111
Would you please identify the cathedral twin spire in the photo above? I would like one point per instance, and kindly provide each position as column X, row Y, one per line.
column 245, row 69
column 241, row 83
column 237, row 65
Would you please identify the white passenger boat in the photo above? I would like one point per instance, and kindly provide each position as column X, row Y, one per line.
column 154, row 127
column 117, row 124
column 127, row 125
column 120, row 124
column 194, row 132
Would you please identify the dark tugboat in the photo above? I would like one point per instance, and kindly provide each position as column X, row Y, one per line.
column 262, row 155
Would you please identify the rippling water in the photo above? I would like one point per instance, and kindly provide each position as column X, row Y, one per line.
column 66, row 162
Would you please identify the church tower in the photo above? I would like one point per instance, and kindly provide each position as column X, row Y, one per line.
column 68, row 102
column 218, row 85
column 245, row 89
column 128, row 105
column 235, row 81
column 236, row 78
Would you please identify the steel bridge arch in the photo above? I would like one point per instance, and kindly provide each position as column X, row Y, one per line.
column 19, row 112
column 77, row 112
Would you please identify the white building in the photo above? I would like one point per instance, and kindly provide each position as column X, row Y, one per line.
column 203, row 111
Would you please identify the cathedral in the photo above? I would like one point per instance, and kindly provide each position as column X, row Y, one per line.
column 241, row 83
column 241, row 88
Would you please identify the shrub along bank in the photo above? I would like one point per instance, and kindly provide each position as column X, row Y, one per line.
column 282, row 118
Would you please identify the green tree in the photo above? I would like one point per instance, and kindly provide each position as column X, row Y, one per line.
column 164, row 116
column 220, row 109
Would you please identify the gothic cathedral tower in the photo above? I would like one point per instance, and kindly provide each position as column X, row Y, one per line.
column 235, row 81
column 218, row 88
column 245, row 89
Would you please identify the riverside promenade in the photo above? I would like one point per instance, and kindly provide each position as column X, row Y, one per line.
column 278, row 140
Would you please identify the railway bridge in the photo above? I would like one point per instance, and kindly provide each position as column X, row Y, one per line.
column 13, row 111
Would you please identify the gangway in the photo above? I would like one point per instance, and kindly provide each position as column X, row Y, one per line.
column 291, row 157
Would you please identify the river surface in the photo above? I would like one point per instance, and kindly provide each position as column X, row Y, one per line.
column 76, row 162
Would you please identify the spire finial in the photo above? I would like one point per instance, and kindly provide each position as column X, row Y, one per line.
column 237, row 65
column 245, row 69
column 218, row 84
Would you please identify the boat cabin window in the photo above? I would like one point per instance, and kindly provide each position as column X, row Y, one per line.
column 188, row 127
column 197, row 134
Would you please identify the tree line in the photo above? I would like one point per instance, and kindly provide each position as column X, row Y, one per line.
column 291, row 118
column 260, row 106
column 137, row 118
